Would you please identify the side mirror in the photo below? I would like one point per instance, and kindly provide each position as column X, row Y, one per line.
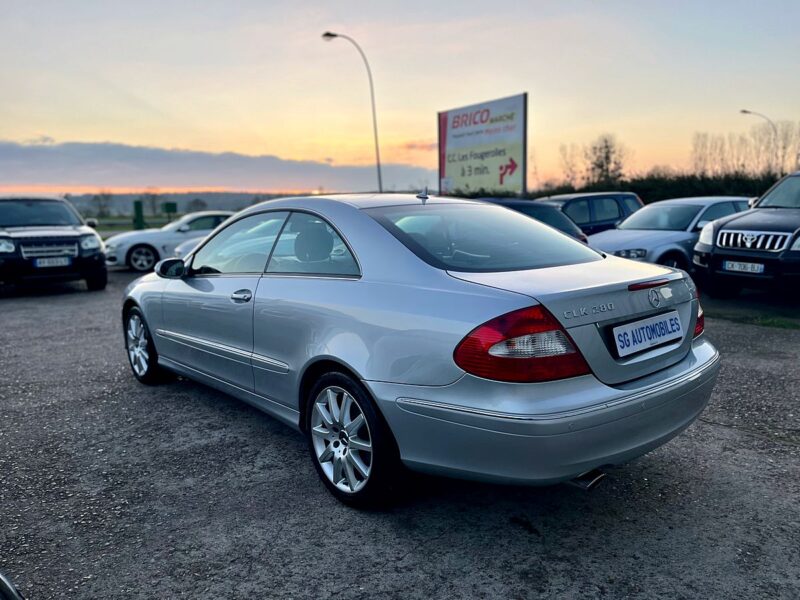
column 93, row 223
column 171, row 268
column 183, row 228
column 752, row 202
column 700, row 225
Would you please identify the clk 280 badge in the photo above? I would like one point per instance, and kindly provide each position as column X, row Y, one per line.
column 585, row 311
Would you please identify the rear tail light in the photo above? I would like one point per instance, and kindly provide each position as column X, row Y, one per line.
column 700, row 324
column 523, row 346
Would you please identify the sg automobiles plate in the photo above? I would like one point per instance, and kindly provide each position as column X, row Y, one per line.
column 742, row 267
column 644, row 334
column 54, row 261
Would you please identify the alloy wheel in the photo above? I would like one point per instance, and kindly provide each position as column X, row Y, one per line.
column 142, row 259
column 136, row 339
column 342, row 440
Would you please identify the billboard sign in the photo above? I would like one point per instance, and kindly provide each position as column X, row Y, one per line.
column 484, row 147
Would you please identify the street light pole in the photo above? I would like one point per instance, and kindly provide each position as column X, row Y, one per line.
column 328, row 36
column 776, row 158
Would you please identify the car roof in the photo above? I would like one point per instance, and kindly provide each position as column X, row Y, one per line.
column 559, row 198
column 202, row 213
column 33, row 196
column 701, row 200
column 362, row 201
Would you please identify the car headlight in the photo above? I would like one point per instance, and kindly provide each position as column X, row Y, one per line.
column 707, row 234
column 795, row 246
column 635, row 253
column 91, row 242
column 6, row 245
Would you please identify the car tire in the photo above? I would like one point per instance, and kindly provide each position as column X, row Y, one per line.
column 142, row 258
column 363, row 478
column 139, row 347
column 97, row 282
column 675, row 261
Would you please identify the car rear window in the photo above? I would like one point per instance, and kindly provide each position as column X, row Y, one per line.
column 551, row 216
column 480, row 238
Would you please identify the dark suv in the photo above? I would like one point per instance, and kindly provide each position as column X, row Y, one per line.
column 754, row 249
column 44, row 238
column 596, row 212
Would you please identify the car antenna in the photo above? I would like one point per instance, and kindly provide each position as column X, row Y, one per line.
column 423, row 195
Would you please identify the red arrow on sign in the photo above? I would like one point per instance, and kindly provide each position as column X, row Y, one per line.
column 507, row 169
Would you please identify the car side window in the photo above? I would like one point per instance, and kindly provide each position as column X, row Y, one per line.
column 631, row 204
column 578, row 211
column 606, row 209
column 310, row 245
column 241, row 247
column 717, row 211
column 203, row 223
column 741, row 205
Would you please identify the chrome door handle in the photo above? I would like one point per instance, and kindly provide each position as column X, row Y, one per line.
column 241, row 296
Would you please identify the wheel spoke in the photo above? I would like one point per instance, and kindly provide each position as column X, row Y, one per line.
column 323, row 412
column 360, row 445
column 350, row 473
column 321, row 432
column 359, row 466
column 333, row 405
column 353, row 426
column 326, row 455
column 347, row 401
column 337, row 469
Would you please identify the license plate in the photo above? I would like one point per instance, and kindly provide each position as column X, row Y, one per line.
column 55, row 261
column 743, row 267
column 644, row 334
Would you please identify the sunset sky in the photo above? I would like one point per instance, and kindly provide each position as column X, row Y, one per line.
column 254, row 78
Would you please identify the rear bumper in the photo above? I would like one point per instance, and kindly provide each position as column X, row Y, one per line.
column 467, row 431
column 16, row 269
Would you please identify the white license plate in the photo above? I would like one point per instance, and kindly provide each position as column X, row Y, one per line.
column 743, row 267
column 55, row 261
column 644, row 334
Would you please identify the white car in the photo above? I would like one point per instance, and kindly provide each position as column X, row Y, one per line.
column 183, row 249
column 141, row 250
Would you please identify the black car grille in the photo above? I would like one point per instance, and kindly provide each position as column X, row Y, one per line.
column 769, row 241
column 48, row 248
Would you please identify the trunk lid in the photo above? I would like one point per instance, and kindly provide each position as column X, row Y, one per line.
column 591, row 299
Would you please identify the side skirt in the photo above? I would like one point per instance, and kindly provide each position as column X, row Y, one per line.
column 274, row 409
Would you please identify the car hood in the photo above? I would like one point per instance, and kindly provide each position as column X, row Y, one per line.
column 629, row 239
column 784, row 220
column 21, row 233
column 131, row 236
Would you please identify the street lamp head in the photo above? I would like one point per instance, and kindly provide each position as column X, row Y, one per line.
column 744, row 111
column 329, row 35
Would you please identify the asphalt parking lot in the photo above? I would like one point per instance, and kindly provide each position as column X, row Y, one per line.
column 110, row 489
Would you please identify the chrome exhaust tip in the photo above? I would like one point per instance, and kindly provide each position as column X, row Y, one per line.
column 589, row 480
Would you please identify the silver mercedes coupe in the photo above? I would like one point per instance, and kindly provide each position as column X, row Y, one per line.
column 435, row 334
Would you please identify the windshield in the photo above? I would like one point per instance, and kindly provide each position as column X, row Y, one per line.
column 784, row 195
column 667, row 217
column 36, row 213
column 480, row 238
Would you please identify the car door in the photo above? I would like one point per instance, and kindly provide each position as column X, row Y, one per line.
column 580, row 213
column 606, row 214
column 310, row 275
column 208, row 314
